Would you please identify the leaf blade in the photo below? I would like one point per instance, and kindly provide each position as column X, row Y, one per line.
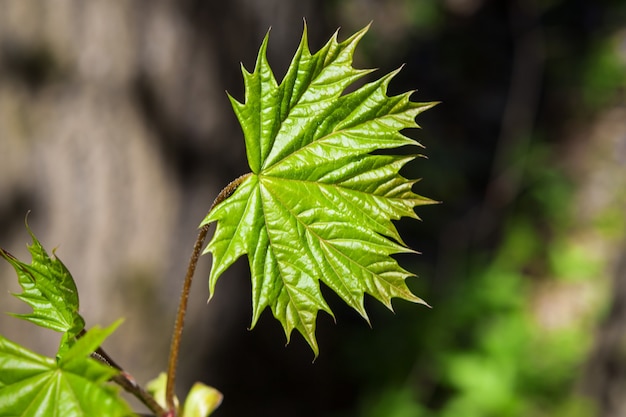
column 319, row 205
column 74, row 386
column 49, row 289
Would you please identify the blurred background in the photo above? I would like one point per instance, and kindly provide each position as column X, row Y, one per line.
column 116, row 134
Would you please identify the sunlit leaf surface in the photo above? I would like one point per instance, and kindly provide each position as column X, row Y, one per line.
column 75, row 385
column 318, row 205
column 48, row 287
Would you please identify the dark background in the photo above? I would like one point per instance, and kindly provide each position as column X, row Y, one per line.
column 115, row 131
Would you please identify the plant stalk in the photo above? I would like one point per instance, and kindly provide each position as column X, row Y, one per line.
column 126, row 381
column 180, row 318
column 184, row 297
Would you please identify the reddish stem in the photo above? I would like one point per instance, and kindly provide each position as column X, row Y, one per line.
column 184, row 297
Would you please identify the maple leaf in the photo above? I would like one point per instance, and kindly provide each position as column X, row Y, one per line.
column 48, row 287
column 318, row 205
column 74, row 385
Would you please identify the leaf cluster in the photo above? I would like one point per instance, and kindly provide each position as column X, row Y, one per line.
column 73, row 383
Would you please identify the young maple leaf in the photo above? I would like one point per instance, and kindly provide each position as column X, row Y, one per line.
column 73, row 385
column 318, row 204
column 48, row 287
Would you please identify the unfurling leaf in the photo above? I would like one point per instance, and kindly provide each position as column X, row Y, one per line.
column 318, row 205
column 157, row 387
column 72, row 386
column 50, row 290
column 201, row 401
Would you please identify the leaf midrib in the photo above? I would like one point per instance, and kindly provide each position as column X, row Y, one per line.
column 325, row 243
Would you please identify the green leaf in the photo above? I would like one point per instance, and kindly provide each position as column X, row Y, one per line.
column 157, row 387
column 48, row 287
column 201, row 400
column 318, row 205
column 73, row 386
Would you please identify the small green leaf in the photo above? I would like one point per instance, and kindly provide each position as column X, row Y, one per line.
column 201, row 401
column 48, row 287
column 318, row 206
column 157, row 387
column 74, row 386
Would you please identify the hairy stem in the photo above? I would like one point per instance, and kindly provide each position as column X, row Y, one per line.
column 180, row 318
column 184, row 297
